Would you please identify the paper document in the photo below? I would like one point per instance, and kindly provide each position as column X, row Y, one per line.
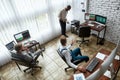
column 117, row 57
column 79, row 76
column 100, row 56
column 107, row 74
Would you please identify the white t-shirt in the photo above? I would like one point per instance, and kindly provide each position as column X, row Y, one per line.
column 62, row 15
column 68, row 56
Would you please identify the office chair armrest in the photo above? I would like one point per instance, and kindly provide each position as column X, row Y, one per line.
column 77, row 61
column 15, row 59
column 19, row 60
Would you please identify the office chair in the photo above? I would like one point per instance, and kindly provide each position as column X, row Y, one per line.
column 74, row 62
column 19, row 60
column 84, row 32
column 76, row 25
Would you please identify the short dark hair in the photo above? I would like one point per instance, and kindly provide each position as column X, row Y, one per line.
column 68, row 7
column 63, row 40
column 18, row 47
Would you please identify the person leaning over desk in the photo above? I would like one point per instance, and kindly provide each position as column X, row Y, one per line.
column 71, row 55
column 63, row 20
column 24, row 52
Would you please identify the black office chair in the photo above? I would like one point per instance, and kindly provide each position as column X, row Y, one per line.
column 74, row 62
column 75, row 23
column 84, row 32
column 19, row 60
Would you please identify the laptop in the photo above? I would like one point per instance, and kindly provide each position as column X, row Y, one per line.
column 10, row 46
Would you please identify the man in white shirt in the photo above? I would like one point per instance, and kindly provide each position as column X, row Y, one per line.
column 71, row 55
column 63, row 20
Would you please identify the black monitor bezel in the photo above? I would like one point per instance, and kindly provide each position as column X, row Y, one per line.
column 23, row 36
column 101, row 16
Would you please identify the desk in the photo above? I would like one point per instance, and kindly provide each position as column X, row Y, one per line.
column 98, row 29
column 32, row 44
column 116, row 66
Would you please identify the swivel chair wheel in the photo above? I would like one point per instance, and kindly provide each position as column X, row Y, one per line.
column 37, row 62
column 24, row 70
column 40, row 67
column 65, row 70
column 32, row 74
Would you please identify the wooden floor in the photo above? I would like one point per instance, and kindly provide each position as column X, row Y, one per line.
column 52, row 65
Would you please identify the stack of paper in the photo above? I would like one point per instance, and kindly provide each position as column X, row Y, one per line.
column 79, row 76
column 107, row 74
column 100, row 56
column 117, row 57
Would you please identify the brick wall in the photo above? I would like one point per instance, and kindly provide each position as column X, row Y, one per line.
column 110, row 9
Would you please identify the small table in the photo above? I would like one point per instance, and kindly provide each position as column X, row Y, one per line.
column 116, row 66
column 34, row 43
column 98, row 29
column 94, row 27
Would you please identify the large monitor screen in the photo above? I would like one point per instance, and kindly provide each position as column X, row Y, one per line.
column 92, row 17
column 24, row 35
column 101, row 19
column 89, row 16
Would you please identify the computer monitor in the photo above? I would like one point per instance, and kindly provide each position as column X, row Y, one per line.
column 100, row 19
column 105, row 65
column 90, row 17
column 24, row 35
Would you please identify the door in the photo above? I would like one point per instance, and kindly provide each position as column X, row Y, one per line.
column 79, row 9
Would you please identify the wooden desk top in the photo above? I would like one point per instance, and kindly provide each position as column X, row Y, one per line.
column 31, row 43
column 93, row 27
column 106, row 52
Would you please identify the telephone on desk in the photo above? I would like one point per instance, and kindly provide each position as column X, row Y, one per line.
column 98, row 26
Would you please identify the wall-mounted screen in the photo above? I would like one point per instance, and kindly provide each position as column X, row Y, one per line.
column 24, row 35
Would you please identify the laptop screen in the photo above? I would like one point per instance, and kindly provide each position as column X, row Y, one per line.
column 10, row 46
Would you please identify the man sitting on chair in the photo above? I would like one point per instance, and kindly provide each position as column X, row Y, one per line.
column 24, row 53
column 72, row 55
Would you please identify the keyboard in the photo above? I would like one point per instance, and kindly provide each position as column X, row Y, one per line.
column 92, row 64
column 90, row 24
column 100, row 24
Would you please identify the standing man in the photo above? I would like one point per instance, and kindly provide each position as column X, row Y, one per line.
column 63, row 20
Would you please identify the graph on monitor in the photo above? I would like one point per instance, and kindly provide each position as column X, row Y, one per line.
column 24, row 35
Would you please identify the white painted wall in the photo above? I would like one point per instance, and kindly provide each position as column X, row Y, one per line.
column 77, row 9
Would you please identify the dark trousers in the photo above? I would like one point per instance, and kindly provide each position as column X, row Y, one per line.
column 76, row 55
column 63, row 27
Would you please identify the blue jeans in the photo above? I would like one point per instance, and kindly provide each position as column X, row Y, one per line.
column 76, row 55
